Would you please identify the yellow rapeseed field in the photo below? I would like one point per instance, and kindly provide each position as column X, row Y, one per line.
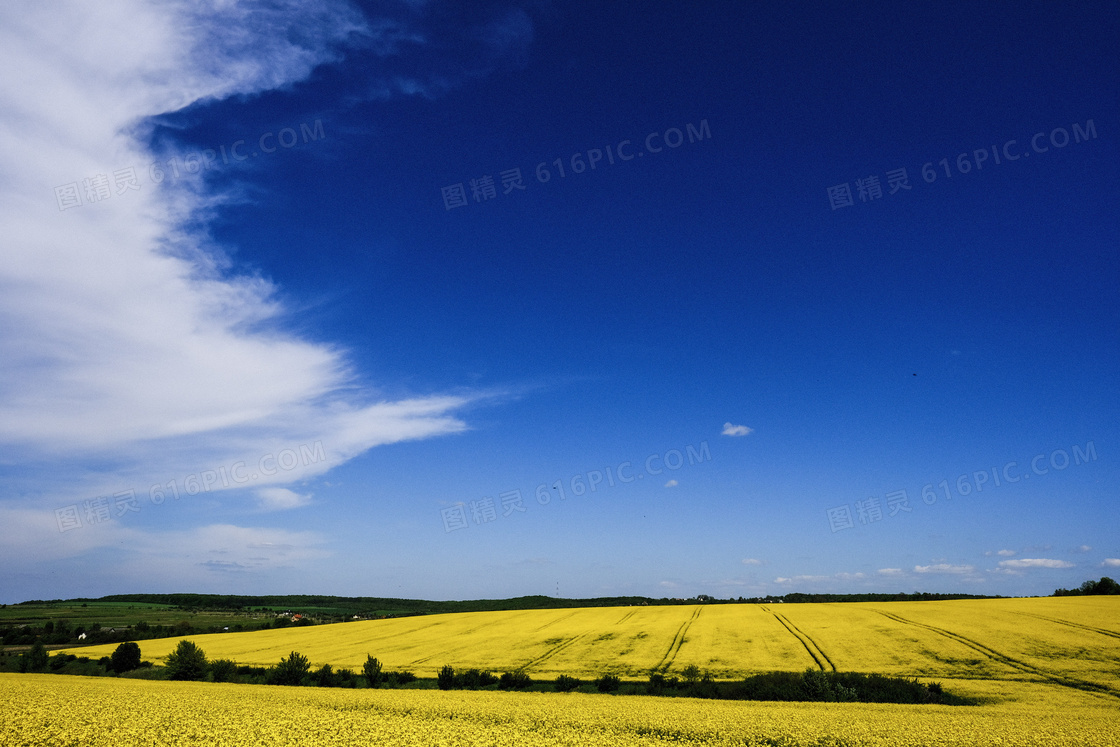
column 63, row 711
column 1031, row 639
column 1047, row 671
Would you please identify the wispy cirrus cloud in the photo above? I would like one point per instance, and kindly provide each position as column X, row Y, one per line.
column 135, row 351
column 1035, row 563
column 129, row 340
column 945, row 568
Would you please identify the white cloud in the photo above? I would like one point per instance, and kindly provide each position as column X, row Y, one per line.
column 944, row 568
column 1111, row 563
column 1035, row 563
column 672, row 484
column 123, row 330
column 800, row 579
column 890, row 572
column 278, row 499
column 735, row 430
column 1006, row 553
column 1084, row 548
column 751, row 561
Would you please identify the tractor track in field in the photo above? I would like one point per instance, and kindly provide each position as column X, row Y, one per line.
column 558, row 619
column 1009, row 661
column 1079, row 626
column 809, row 644
column 626, row 617
column 675, row 646
column 552, row 651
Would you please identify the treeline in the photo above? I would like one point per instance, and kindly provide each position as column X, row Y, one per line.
column 188, row 662
column 60, row 632
column 347, row 607
column 1105, row 586
column 810, row 685
column 800, row 598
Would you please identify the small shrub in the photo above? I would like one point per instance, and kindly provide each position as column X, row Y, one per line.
column 608, row 683
column 704, row 688
column 346, row 678
column 371, row 670
column 565, row 684
column 396, row 679
column 514, row 681
column 222, row 670
column 473, row 679
column 35, row 660
column 324, row 676
column 291, row 670
column 446, row 677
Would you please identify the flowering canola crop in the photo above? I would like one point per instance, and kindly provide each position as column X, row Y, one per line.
column 63, row 711
column 1047, row 671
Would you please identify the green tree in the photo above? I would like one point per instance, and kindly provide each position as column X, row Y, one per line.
column 608, row 683
column 372, row 671
column 291, row 670
column 222, row 670
column 34, row 660
column 186, row 662
column 446, row 677
column 325, row 676
column 1106, row 586
column 125, row 658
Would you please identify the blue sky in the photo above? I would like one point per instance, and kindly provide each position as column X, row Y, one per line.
column 297, row 296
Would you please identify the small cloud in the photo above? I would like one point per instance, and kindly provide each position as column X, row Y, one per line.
column 799, row 579
column 672, row 484
column 944, row 568
column 751, row 561
column 735, row 430
column 1084, row 548
column 848, row 576
column 890, row 571
column 281, row 499
column 1005, row 553
column 1035, row 563
column 1111, row 563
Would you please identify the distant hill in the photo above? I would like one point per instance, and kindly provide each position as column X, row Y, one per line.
column 391, row 606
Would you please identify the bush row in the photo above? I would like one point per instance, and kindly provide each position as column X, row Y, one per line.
column 188, row 662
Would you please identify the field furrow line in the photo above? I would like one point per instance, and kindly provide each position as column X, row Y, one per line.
column 805, row 635
column 1009, row 661
column 556, row 620
column 803, row 641
column 675, row 646
column 626, row 617
column 1089, row 628
column 552, row 652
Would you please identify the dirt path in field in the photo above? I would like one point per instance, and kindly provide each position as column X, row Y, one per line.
column 675, row 646
column 819, row 656
column 1048, row 676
